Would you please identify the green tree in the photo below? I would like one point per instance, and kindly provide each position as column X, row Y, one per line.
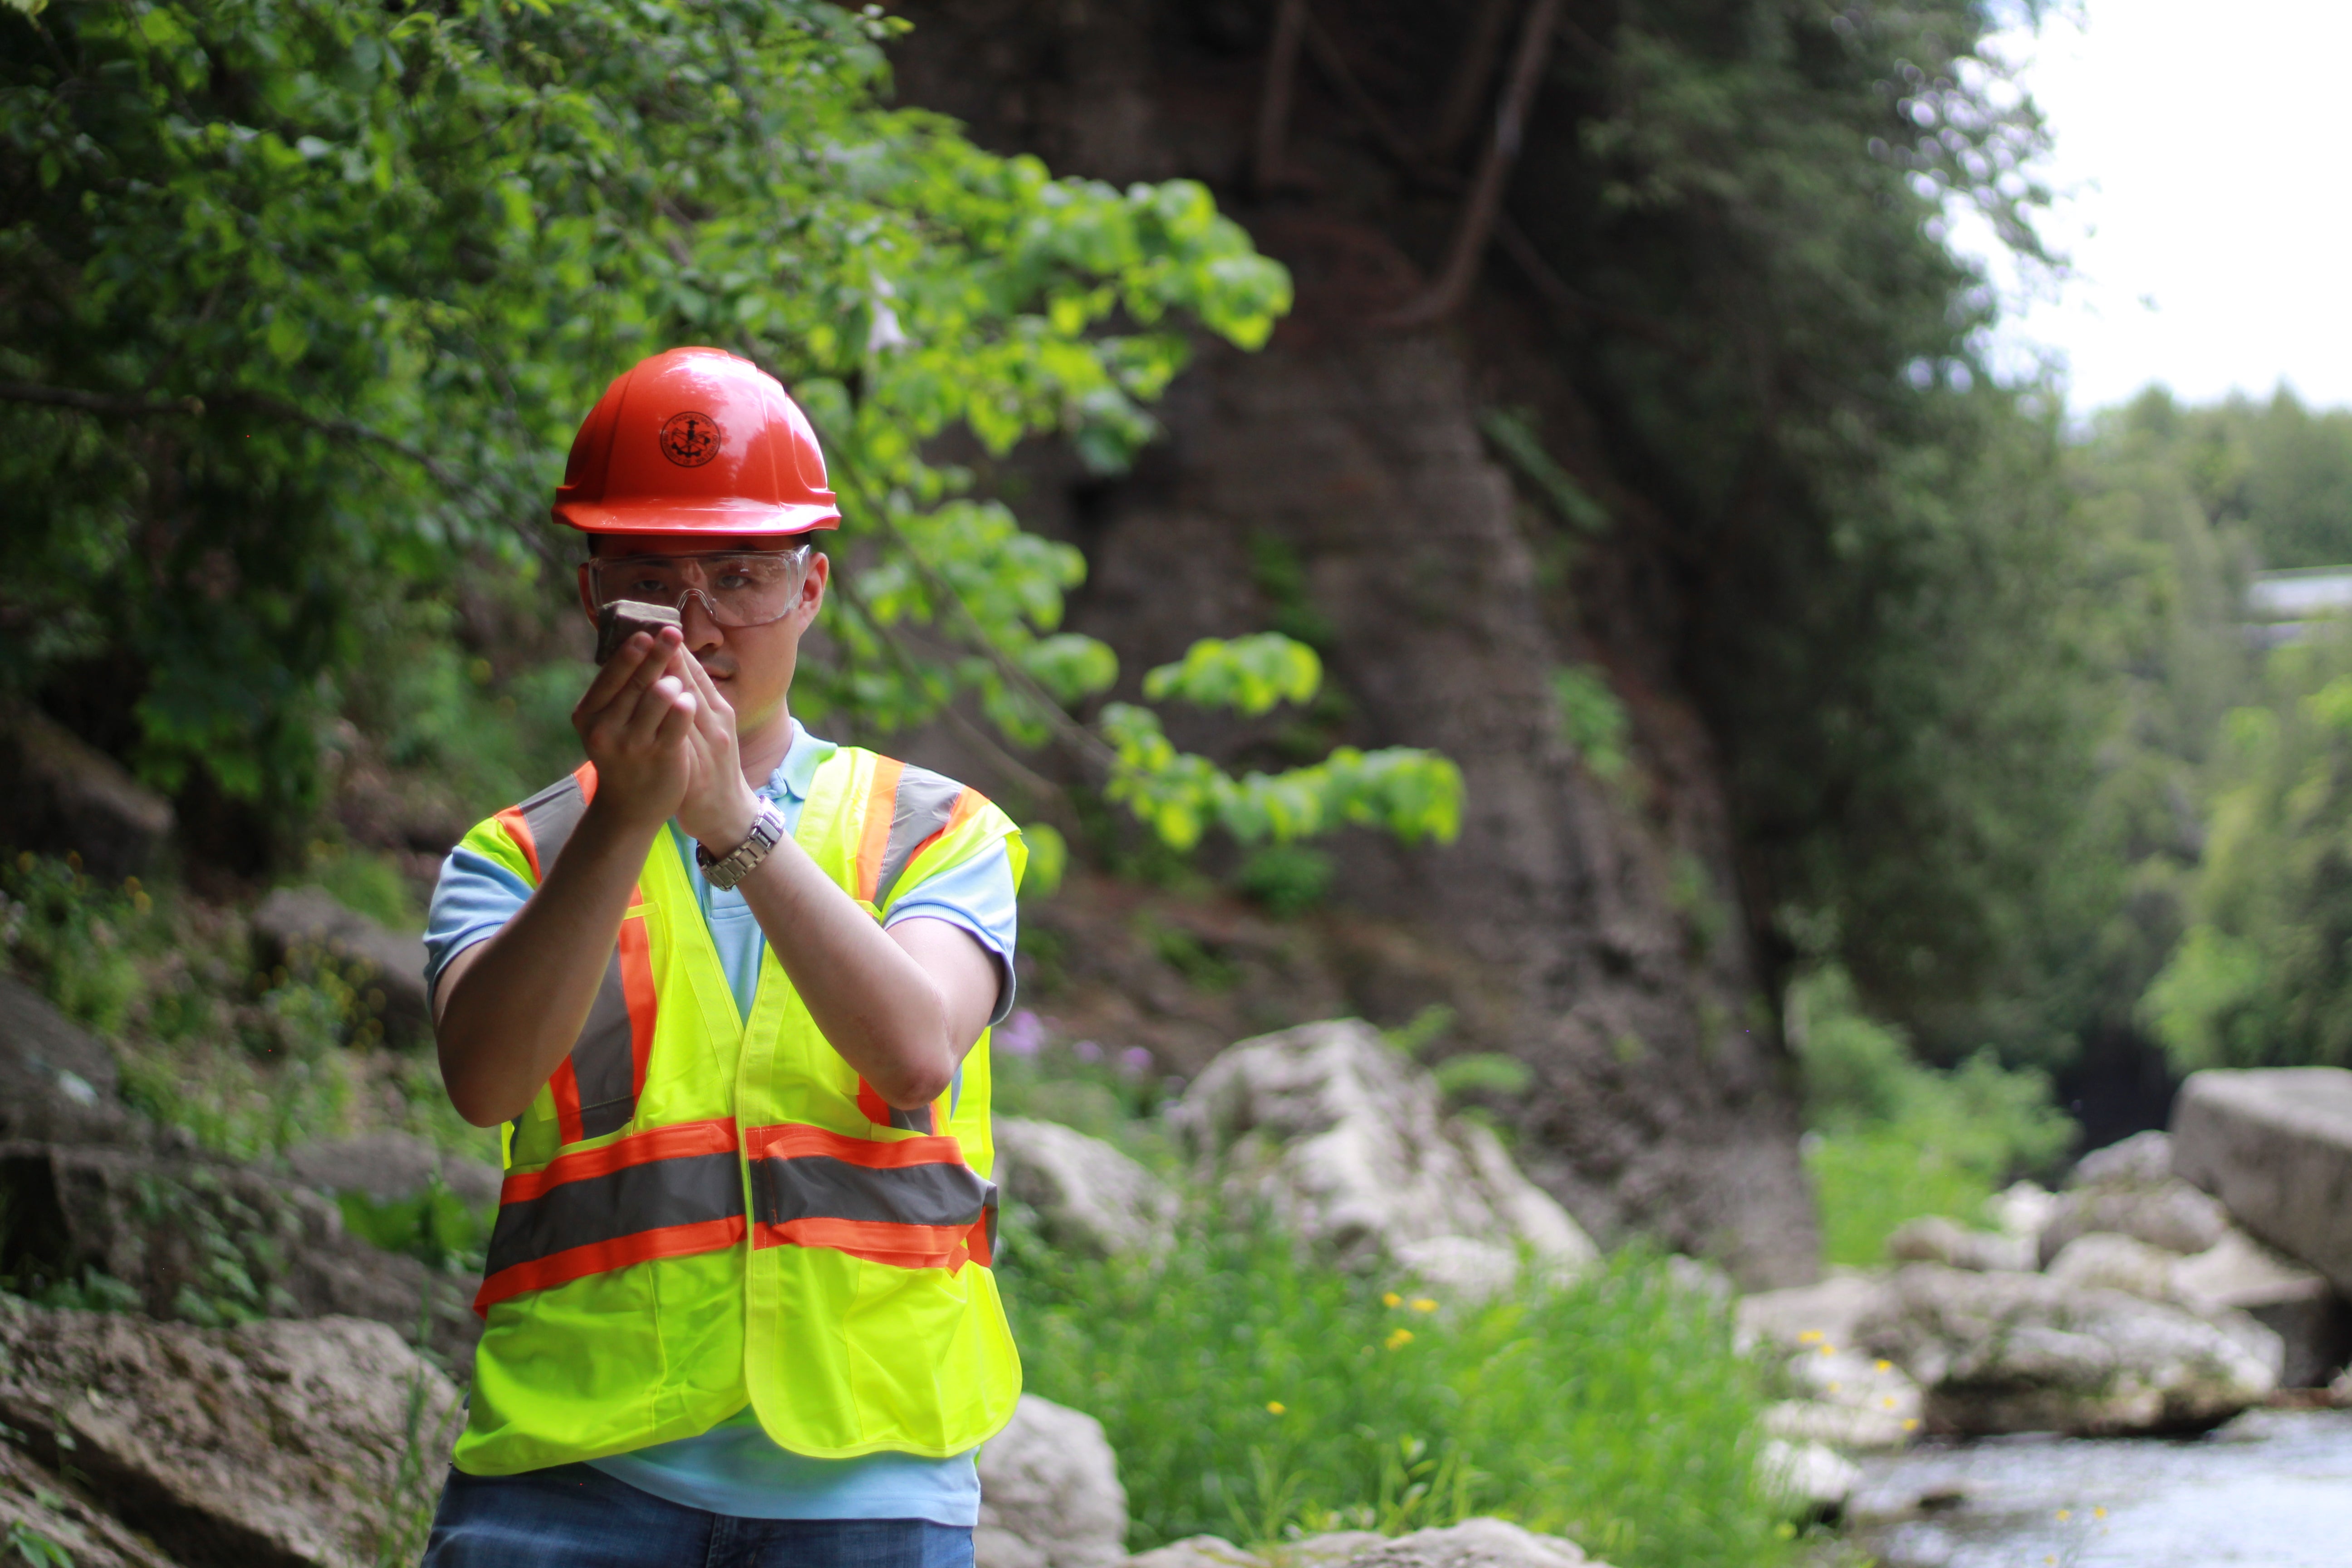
column 304, row 302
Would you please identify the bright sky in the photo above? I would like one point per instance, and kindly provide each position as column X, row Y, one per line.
column 2205, row 199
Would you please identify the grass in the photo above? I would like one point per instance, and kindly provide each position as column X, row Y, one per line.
column 1253, row 1393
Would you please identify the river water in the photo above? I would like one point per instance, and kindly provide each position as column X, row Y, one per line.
column 2271, row 1489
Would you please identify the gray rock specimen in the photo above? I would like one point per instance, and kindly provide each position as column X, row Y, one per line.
column 292, row 921
column 1473, row 1544
column 1931, row 1238
column 2171, row 1214
column 58, row 794
column 1345, row 1138
column 2024, row 1352
column 1088, row 1196
column 1050, row 1496
column 277, row 1444
column 2276, row 1145
column 391, row 1166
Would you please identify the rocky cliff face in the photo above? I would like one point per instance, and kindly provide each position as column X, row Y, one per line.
column 1339, row 482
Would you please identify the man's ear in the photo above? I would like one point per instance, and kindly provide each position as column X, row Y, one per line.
column 820, row 572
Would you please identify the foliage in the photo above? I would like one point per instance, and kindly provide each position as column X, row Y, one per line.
column 436, row 1227
column 1591, row 720
column 1614, row 1411
column 1892, row 1139
column 311, row 298
column 1288, row 879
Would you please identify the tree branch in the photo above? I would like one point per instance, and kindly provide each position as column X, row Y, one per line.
column 1486, row 202
column 1457, row 115
column 1273, row 102
column 98, row 403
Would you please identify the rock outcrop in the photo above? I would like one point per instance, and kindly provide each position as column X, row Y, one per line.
column 1050, row 1496
column 1087, row 1197
column 2025, row 1352
column 1345, row 1138
column 1473, row 1544
column 276, row 1445
column 2275, row 1147
column 390, row 1166
column 384, row 967
column 60, row 794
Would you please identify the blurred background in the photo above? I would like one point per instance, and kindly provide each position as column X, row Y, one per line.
column 1754, row 583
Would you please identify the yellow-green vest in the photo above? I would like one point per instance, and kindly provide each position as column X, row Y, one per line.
column 701, row 1213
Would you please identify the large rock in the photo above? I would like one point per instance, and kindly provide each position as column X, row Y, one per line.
column 2171, row 1214
column 60, row 794
column 1049, row 1492
column 56, row 1079
column 391, row 1166
column 2275, row 1147
column 1345, row 1138
column 198, row 1239
column 2024, row 1352
column 41, row 1505
column 2236, row 1275
column 1088, row 1196
column 1811, row 1479
column 1931, row 1238
column 1473, row 1544
column 1805, row 1317
column 2142, row 1159
column 384, row 967
column 278, row 1445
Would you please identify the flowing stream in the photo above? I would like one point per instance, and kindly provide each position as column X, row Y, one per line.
column 2271, row 1489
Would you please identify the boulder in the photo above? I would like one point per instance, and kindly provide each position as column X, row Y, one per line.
column 1931, row 1238
column 2142, row 1159
column 60, row 794
column 2275, row 1147
column 276, row 1445
column 384, row 967
column 1805, row 1317
column 1049, row 1490
column 2024, row 1352
column 2240, row 1274
column 1812, row 1479
column 1473, row 1544
column 2172, row 1215
column 56, row 1079
column 197, row 1240
column 1344, row 1137
column 1088, row 1197
column 391, row 1167
column 39, row 1505
column 2022, row 1209
column 2103, row 1260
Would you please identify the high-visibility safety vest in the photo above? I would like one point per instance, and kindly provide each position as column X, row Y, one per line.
column 701, row 1213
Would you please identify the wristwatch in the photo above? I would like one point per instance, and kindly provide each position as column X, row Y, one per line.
column 724, row 871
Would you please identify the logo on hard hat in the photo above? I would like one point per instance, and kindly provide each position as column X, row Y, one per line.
column 690, row 440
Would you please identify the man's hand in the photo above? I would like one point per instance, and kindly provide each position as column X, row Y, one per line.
column 719, row 807
column 637, row 723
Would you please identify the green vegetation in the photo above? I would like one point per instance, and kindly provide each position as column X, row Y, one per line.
column 1614, row 1411
column 1892, row 1139
column 311, row 300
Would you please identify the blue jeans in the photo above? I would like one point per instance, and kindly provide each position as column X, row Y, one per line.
column 575, row 1517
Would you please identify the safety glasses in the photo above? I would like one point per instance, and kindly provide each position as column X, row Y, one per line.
column 737, row 587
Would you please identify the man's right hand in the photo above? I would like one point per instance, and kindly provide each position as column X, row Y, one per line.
column 636, row 721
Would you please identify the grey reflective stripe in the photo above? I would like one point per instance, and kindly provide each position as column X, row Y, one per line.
column 921, row 807
column 915, row 1121
column 817, row 1186
column 688, row 1190
column 603, row 1058
column 551, row 815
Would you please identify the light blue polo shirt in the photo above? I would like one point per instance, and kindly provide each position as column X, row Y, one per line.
column 735, row 1467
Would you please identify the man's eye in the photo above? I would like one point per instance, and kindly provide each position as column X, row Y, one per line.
column 648, row 588
column 733, row 580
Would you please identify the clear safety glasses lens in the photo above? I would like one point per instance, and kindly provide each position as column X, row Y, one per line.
column 740, row 588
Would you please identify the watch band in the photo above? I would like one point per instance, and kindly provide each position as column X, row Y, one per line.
column 723, row 871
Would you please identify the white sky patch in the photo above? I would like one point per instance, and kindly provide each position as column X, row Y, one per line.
column 2205, row 201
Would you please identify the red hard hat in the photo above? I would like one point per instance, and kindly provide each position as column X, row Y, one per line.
column 694, row 441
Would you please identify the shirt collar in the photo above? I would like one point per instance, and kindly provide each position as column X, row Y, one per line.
column 802, row 759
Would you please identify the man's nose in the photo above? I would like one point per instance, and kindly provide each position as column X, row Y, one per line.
column 697, row 624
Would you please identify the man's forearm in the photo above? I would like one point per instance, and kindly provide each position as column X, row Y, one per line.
column 509, row 1009
column 887, row 1014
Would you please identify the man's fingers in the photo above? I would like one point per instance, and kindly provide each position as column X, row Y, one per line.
column 616, row 672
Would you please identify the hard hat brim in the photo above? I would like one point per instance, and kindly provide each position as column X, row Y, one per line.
column 740, row 517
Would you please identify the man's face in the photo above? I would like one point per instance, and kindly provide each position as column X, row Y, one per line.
column 751, row 665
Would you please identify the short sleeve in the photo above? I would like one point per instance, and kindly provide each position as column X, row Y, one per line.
column 475, row 896
column 977, row 895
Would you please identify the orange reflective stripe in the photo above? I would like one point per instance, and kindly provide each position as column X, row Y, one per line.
column 900, row 1245
column 911, row 1203
column 874, row 839
column 796, row 1139
column 597, row 1256
column 680, row 1138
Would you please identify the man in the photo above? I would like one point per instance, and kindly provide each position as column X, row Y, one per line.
column 723, row 988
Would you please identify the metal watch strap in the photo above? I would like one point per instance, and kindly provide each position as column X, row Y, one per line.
column 723, row 871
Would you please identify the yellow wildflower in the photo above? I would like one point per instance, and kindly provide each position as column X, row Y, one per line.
column 1400, row 1339
column 1808, row 1336
column 1881, row 1366
column 1275, row 1407
column 1392, row 1299
column 1910, row 1424
column 1423, row 1304
column 2064, row 1514
column 2098, row 1513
